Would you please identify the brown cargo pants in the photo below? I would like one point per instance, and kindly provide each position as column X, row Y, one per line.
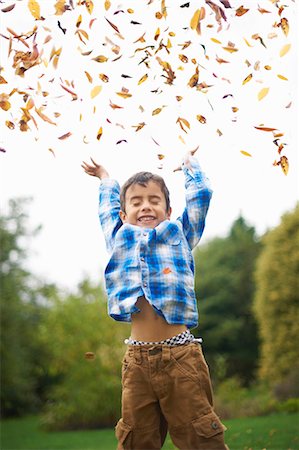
column 167, row 389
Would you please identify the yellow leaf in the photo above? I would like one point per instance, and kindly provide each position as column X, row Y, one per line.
column 104, row 77
column 230, row 49
column 143, row 79
column 247, row 43
column 182, row 139
column 183, row 58
column 282, row 77
column 59, row 7
column 124, row 94
column 285, row 25
column 215, row 40
column 107, row 4
column 89, row 5
column 284, row 164
column 263, row 92
column 157, row 34
column 201, row 119
column 169, row 44
column 34, row 8
column 89, row 77
column 100, row 59
column 156, row 111
column 195, row 19
column 130, row 10
column 248, row 78
column 79, row 21
column 95, row 91
column 284, row 50
column 245, row 153
column 99, row 134
column 267, row 67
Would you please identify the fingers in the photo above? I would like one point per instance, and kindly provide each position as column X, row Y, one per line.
column 96, row 165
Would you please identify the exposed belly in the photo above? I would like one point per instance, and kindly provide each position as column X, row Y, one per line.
column 147, row 325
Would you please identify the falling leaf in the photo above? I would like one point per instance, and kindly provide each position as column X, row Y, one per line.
column 89, row 6
column 95, row 91
column 284, row 50
column 262, row 11
column 247, row 43
column 10, row 124
column 240, row 11
column 219, row 132
column 267, row 67
column 65, row 136
column 43, row 116
column 107, row 4
column 99, row 133
column 248, row 78
column 194, row 79
column 73, row 94
column 285, row 26
column 122, row 140
column 265, row 128
column 156, row 111
column 263, row 92
column 179, row 98
column 284, row 164
column 34, row 8
column 112, row 25
column 196, row 18
column 181, row 121
column 245, row 153
column 282, row 77
column 104, row 77
column 113, row 106
column 201, row 119
column 2, row 80
column 166, row 271
column 4, row 103
column 60, row 7
column 89, row 355
column 230, row 48
column 215, row 40
column 157, row 34
column 289, row 105
column 220, row 60
column 130, row 11
column 160, row 156
column 183, row 58
column 139, row 126
column 89, row 77
column 143, row 79
column 79, row 21
column 100, row 59
column 124, row 94
column 8, row 8
column 52, row 151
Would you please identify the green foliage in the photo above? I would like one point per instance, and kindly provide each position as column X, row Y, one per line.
column 19, row 315
column 277, row 303
column 225, row 287
column 87, row 393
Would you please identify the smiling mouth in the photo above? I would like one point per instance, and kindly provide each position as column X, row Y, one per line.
column 145, row 219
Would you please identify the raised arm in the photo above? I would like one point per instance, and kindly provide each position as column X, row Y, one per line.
column 109, row 202
column 198, row 196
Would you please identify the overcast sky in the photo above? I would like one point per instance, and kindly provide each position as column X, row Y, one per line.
column 71, row 245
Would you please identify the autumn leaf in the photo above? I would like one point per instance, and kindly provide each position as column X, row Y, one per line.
column 79, row 21
column 285, row 26
column 241, row 11
column 99, row 133
column 245, row 153
column 248, row 78
column 34, row 8
column 124, row 94
column 183, row 122
column 89, row 77
column 263, row 92
column 8, row 8
column 284, row 50
column 2, row 80
column 156, row 111
column 143, row 79
column 112, row 25
column 196, row 18
column 107, row 4
column 4, row 103
column 100, row 59
column 65, row 136
column 59, row 7
column 282, row 77
column 215, row 40
column 89, row 6
column 183, row 58
column 114, row 106
column 201, row 119
column 139, row 126
column 265, row 128
column 104, row 77
column 95, row 91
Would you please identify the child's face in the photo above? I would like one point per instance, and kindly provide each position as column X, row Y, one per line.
column 145, row 206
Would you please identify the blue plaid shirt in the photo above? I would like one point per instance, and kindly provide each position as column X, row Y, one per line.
column 156, row 263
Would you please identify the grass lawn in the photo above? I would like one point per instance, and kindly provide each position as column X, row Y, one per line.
column 274, row 432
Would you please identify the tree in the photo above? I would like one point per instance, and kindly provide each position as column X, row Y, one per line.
column 19, row 314
column 87, row 391
column 277, row 301
column 225, row 287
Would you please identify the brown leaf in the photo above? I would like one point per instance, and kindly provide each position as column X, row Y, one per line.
column 8, row 8
column 240, row 11
column 65, row 136
column 100, row 59
column 112, row 25
column 201, row 119
column 99, row 133
column 139, row 126
column 104, row 77
column 285, row 26
column 265, row 128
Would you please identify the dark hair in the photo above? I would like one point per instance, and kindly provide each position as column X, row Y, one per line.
column 143, row 178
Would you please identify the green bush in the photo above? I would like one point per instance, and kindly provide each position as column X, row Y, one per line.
column 290, row 406
column 87, row 393
column 232, row 400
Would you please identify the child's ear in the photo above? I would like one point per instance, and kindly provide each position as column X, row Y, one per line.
column 168, row 214
column 123, row 216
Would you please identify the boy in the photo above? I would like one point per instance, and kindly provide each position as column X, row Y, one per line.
column 150, row 283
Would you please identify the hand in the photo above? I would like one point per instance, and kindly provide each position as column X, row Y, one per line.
column 186, row 159
column 95, row 170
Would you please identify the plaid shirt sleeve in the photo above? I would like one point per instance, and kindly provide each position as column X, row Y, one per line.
column 109, row 207
column 198, row 196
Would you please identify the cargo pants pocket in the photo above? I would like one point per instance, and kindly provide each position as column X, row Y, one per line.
column 123, row 435
column 210, row 431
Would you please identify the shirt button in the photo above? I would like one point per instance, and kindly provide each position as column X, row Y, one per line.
column 145, row 284
column 144, row 234
column 214, row 425
column 142, row 259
